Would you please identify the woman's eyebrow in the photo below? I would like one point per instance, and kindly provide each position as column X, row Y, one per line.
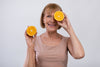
column 48, row 14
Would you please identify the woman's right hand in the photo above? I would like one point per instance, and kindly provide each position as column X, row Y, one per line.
column 30, row 40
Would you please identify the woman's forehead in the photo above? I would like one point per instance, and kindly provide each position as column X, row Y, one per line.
column 50, row 11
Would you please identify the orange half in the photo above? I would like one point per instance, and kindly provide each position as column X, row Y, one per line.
column 58, row 15
column 31, row 30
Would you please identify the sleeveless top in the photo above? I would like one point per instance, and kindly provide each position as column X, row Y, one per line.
column 51, row 55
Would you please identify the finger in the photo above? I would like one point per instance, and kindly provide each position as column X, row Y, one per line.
column 34, row 38
column 65, row 16
column 25, row 33
column 26, row 30
column 59, row 23
column 35, row 35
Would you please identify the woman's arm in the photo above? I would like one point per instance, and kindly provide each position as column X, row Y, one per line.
column 74, row 46
column 30, row 58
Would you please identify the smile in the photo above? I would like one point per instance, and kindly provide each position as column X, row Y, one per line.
column 52, row 24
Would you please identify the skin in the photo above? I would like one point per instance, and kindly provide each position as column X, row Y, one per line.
column 52, row 37
column 30, row 58
column 74, row 45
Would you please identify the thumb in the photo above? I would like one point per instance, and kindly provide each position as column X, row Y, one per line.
column 35, row 35
column 59, row 23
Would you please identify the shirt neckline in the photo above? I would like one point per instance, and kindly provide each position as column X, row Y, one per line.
column 51, row 45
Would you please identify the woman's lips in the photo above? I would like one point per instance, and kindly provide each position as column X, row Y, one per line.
column 52, row 24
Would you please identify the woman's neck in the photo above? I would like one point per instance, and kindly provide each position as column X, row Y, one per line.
column 52, row 35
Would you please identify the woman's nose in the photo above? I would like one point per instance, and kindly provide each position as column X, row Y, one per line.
column 53, row 20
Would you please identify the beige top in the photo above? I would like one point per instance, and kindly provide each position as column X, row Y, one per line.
column 51, row 55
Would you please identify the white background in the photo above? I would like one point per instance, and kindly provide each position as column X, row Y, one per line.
column 16, row 15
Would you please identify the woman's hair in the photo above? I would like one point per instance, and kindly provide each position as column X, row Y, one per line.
column 50, row 7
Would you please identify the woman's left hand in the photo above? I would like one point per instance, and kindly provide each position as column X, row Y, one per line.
column 65, row 24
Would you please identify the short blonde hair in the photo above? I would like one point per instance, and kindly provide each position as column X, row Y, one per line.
column 51, row 7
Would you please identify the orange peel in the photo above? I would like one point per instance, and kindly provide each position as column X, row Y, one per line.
column 59, row 15
column 31, row 30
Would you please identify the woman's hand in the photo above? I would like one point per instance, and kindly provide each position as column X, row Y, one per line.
column 66, row 24
column 30, row 40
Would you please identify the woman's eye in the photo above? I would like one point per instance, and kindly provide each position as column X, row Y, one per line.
column 48, row 16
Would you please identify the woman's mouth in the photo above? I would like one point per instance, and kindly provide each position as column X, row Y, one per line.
column 52, row 24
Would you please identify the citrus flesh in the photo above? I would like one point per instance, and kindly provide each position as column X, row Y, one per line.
column 31, row 30
column 58, row 15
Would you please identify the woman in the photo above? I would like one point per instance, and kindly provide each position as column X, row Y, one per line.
column 50, row 49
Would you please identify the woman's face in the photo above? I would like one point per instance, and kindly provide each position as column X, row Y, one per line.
column 49, row 21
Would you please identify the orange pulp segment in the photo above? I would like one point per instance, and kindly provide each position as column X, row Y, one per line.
column 58, row 15
column 31, row 30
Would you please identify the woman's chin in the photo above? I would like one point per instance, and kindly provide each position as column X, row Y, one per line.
column 52, row 28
